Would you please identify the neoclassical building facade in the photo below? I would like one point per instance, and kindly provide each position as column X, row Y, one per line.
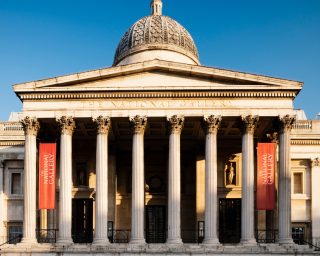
column 158, row 154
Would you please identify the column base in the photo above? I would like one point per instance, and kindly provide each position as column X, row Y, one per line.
column 211, row 241
column 248, row 242
column 174, row 241
column 28, row 241
column 286, row 242
column 64, row 241
column 137, row 241
column 100, row 242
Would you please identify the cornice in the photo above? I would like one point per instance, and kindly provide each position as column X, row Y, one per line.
column 11, row 143
column 155, row 65
column 169, row 94
column 305, row 142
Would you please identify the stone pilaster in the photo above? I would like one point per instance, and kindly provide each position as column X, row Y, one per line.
column 174, row 186
column 315, row 202
column 139, row 124
column 2, row 235
column 211, row 124
column 249, row 124
column 67, row 126
column 31, row 128
column 101, row 224
column 284, row 195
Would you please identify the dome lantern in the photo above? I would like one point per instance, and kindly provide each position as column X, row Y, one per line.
column 156, row 7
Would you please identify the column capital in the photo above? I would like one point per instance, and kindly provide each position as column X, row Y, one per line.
column 286, row 122
column 67, row 124
column 176, row 123
column 211, row 123
column 315, row 162
column 139, row 124
column 249, row 123
column 103, row 124
column 30, row 125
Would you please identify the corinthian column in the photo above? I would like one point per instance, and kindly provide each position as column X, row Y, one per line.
column 137, row 220
column 285, row 236
column 101, row 231
column 174, row 187
column 212, row 124
column 67, row 125
column 315, row 202
column 247, row 205
column 31, row 127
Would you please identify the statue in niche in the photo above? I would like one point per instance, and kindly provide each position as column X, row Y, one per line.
column 230, row 173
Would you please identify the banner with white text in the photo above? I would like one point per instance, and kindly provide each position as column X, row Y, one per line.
column 265, row 176
column 47, row 175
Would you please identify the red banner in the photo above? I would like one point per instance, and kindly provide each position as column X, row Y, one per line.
column 47, row 175
column 265, row 179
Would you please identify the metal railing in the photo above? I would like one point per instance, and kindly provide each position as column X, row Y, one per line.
column 47, row 235
column 267, row 236
column 13, row 240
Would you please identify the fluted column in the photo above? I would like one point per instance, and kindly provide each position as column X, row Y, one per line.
column 137, row 216
column 315, row 202
column 174, row 187
column 67, row 125
column 101, row 231
column 212, row 124
column 285, row 232
column 31, row 127
column 247, row 204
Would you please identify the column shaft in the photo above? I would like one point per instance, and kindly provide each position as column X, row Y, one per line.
column 65, row 193
column 285, row 236
column 247, row 203
column 101, row 231
column 137, row 221
column 31, row 128
column 174, row 180
column 211, row 195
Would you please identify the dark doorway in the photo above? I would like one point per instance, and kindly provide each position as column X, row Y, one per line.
column 82, row 227
column 229, row 220
column 155, row 224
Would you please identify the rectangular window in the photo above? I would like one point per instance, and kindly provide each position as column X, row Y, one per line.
column 14, row 232
column 16, row 188
column 298, row 183
column 81, row 170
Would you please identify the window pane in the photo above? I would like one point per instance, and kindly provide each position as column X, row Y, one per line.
column 297, row 179
column 15, row 234
column 16, row 183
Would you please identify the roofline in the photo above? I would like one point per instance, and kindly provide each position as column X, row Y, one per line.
column 147, row 66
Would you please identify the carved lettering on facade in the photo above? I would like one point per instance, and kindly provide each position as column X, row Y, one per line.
column 30, row 125
column 103, row 124
column 67, row 125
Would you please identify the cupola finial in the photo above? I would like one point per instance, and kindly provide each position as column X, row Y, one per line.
column 156, row 7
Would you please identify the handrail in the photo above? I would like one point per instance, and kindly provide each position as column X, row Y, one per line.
column 19, row 237
column 317, row 248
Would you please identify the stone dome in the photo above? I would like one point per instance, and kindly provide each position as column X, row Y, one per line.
column 156, row 37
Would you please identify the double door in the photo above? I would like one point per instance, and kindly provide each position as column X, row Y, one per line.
column 155, row 224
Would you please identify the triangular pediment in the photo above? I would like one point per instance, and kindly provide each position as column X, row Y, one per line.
column 158, row 75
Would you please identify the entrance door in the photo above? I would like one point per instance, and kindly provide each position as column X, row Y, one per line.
column 155, row 224
column 82, row 227
column 229, row 220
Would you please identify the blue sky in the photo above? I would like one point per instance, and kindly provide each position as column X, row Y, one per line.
column 41, row 39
